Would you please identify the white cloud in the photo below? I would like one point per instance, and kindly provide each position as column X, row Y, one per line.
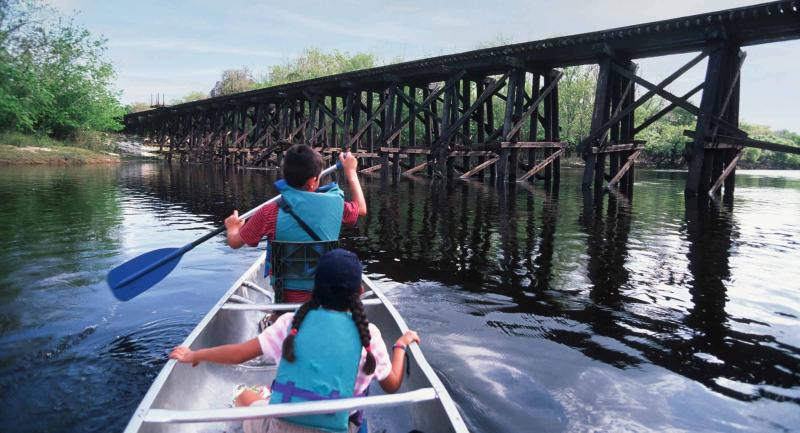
column 190, row 46
column 383, row 31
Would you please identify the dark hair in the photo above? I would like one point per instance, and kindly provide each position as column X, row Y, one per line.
column 359, row 318
column 301, row 163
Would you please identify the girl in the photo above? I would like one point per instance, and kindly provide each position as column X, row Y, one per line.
column 327, row 349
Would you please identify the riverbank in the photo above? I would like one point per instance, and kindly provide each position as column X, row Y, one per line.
column 53, row 155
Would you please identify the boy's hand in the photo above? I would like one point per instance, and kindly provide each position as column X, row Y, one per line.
column 349, row 162
column 233, row 221
column 184, row 355
column 408, row 338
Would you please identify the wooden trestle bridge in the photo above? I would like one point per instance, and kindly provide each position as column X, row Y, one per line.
column 437, row 115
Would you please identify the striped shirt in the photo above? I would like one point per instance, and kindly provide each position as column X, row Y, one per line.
column 271, row 341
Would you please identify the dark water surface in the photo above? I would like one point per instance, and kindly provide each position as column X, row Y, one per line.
column 539, row 312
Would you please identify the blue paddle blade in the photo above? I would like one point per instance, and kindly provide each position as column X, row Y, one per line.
column 133, row 277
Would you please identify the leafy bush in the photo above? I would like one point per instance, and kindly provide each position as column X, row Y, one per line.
column 54, row 77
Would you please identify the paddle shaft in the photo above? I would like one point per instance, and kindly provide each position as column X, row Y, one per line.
column 188, row 247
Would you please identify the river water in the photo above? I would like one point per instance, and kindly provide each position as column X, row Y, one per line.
column 540, row 312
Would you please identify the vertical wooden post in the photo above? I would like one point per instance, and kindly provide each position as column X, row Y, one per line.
column 412, row 129
column 387, row 123
column 491, row 127
column 466, row 93
column 519, row 99
column 398, row 118
column 481, row 121
column 732, row 116
column 548, row 127
column 356, row 119
column 533, row 124
column 348, row 119
column 334, row 132
column 599, row 117
column 370, row 131
column 508, row 121
column 699, row 177
column 628, row 135
column 442, row 159
column 426, row 91
column 555, row 132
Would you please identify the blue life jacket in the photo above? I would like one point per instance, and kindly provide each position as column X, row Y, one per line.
column 322, row 212
column 327, row 353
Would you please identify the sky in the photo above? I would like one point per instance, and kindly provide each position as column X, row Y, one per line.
column 176, row 47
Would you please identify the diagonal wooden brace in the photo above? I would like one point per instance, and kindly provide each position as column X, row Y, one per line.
column 540, row 166
column 631, row 159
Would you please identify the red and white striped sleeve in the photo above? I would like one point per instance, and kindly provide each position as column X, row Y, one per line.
column 350, row 214
column 262, row 224
column 271, row 339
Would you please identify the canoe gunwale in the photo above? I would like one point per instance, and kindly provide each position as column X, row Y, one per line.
column 140, row 413
column 443, row 396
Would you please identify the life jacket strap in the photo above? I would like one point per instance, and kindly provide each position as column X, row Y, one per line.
column 289, row 390
column 284, row 205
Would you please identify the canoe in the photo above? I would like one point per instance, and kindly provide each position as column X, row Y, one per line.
column 186, row 399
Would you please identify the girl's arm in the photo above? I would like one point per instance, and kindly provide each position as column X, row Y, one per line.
column 227, row 354
column 395, row 378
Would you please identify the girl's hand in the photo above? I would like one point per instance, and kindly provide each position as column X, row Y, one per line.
column 408, row 338
column 184, row 355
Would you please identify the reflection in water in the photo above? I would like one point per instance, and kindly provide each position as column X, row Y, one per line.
column 503, row 242
column 541, row 308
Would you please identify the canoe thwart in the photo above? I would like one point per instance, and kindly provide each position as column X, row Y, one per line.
column 257, row 288
column 240, row 299
column 289, row 409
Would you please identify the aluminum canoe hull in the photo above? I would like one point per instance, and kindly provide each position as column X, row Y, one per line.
column 208, row 387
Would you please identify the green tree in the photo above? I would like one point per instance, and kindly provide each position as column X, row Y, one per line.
column 194, row 96
column 234, row 81
column 314, row 63
column 136, row 107
column 576, row 100
column 190, row 97
column 54, row 76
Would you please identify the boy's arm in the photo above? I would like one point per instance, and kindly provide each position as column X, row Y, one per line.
column 262, row 224
column 227, row 354
column 349, row 165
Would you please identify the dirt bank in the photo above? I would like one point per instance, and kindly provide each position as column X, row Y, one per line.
column 56, row 155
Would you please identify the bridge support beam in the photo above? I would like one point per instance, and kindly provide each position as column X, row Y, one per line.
column 718, row 114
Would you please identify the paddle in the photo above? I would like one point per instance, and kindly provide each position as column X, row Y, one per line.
column 133, row 277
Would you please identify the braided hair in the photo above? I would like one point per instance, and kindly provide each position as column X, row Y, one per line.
column 288, row 342
column 322, row 297
column 360, row 319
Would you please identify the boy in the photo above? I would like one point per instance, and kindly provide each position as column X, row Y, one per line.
column 303, row 215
